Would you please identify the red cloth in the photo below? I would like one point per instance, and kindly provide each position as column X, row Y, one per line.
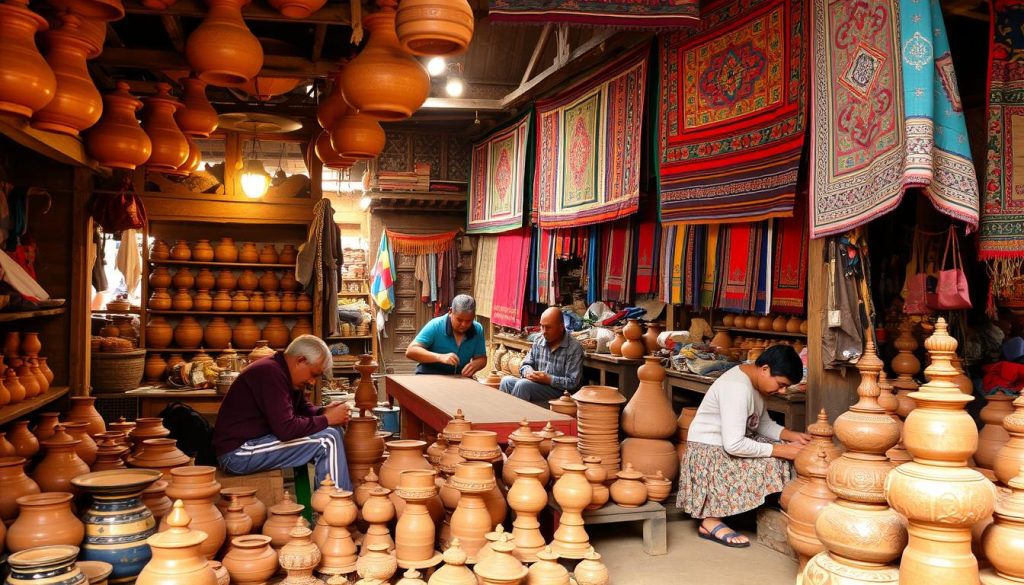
column 737, row 268
column 510, row 280
column 789, row 270
column 1003, row 375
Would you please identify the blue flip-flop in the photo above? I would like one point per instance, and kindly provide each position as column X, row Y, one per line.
column 723, row 539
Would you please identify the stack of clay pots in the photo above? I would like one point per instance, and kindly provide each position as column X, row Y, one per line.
column 906, row 365
column 598, row 427
column 649, row 421
column 197, row 487
column 25, row 374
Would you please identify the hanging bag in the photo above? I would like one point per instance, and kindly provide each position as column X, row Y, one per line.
column 915, row 289
column 952, row 293
column 116, row 213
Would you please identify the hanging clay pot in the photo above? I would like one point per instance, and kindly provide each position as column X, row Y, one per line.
column 297, row 8
column 197, row 118
column 245, row 334
column 29, row 82
column 170, row 148
column 188, row 334
column 16, row 484
column 83, row 409
column 434, row 27
column 633, row 348
column 178, row 553
column 333, row 105
column 383, row 81
column 355, row 136
column 77, row 103
column 328, row 155
column 118, row 141
column 217, row 334
column 222, row 51
column 45, row 519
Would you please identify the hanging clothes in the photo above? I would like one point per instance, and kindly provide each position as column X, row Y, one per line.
column 842, row 338
column 99, row 274
column 129, row 260
column 318, row 265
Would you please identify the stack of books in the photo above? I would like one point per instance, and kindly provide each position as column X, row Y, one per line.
column 418, row 180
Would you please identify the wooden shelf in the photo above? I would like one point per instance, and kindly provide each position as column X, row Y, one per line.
column 342, row 337
column 19, row 315
column 236, row 313
column 759, row 332
column 220, row 264
column 128, row 312
column 59, row 147
column 199, row 349
column 19, row 409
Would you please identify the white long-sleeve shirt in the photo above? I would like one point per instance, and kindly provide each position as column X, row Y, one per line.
column 731, row 409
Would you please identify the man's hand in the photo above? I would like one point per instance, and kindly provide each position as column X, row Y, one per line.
column 539, row 377
column 786, row 450
column 470, row 370
column 337, row 413
column 447, row 358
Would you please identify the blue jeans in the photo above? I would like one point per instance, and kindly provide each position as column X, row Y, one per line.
column 527, row 389
column 324, row 448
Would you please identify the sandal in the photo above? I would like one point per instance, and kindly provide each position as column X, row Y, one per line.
column 721, row 539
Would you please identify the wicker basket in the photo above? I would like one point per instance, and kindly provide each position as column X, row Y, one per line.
column 117, row 371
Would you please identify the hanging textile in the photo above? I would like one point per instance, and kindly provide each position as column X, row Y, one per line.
column 318, row 266
column 98, row 274
column 502, row 178
column 643, row 14
column 857, row 140
column 789, row 266
column 741, row 258
column 413, row 244
column 546, row 285
column 1002, row 218
column 483, row 274
column 593, row 264
column 447, row 263
column 383, row 274
column 618, row 255
column 763, row 295
column 129, row 259
column 419, row 272
column 733, row 112
column 696, row 252
column 513, row 255
column 708, row 288
column 647, row 255
column 669, row 260
column 588, row 147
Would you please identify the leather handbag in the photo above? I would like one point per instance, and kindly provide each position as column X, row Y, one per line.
column 952, row 293
column 915, row 288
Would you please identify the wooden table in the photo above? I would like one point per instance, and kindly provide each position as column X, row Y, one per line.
column 432, row 401
column 608, row 370
column 793, row 409
column 152, row 400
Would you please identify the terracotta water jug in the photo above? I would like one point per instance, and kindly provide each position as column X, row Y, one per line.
column 178, row 553
column 6, row 448
column 14, row 386
column 5, row 394
column 33, row 366
column 573, row 494
column 160, row 299
column 526, row 455
column 649, row 414
column 30, row 83
column 383, row 81
column 222, row 51
column 434, row 27
column 205, row 279
column 188, row 334
column 183, row 278
column 48, row 422
column 275, row 332
column 16, row 484
column 288, row 252
column 226, row 281
column 302, row 327
column 83, row 409
column 251, row 560
column 217, row 334
column 196, row 486
column 87, row 447
column 45, row 519
column 650, row 337
column 118, row 141
column 170, row 148
column 197, row 118
column 245, row 334
column 225, row 250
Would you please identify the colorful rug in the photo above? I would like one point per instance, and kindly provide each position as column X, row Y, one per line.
column 789, row 266
column 708, row 280
column 588, row 147
column 1002, row 217
column 650, row 14
column 740, row 257
column 648, row 255
column 696, row 242
column 502, row 178
column 593, row 264
column 483, row 274
column 383, row 276
column 938, row 156
column 618, row 257
column 857, row 140
column 545, row 277
column 513, row 254
column 733, row 112
column 763, row 294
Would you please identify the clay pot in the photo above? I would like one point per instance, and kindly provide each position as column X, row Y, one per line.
column 170, row 148
column 377, row 512
column 750, row 322
column 196, row 486
column 5, row 394
column 12, row 346
column 403, row 455
column 268, row 281
column 118, row 141
column 217, row 334
column 288, row 255
column 226, row 280
column 303, row 303
column 160, row 454
column 633, row 348
column 280, row 522
column 97, row 572
column 591, row 571
column 795, row 325
column 247, row 281
column 764, row 323
column 434, row 27
column 158, row 333
column 251, row 505
column 649, row 414
column 1008, row 459
column 650, row 456
column 202, row 301
column 573, row 493
column 83, row 409
column 28, row 380
column 110, row 451
column 363, row 448
column 182, row 300
column 378, row 563
column 526, row 455
column 45, row 519
column 256, row 303
column 821, row 438
column 339, row 549
column 61, row 463
column 501, row 566
column 333, row 105
column 302, row 327
column 383, row 81
column 29, row 83
column 181, row 251
column 197, row 118
column 188, row 334
column 159, row 250
column 471, row 521
column 177, row 553
column 25, row 443
column 183, row 278
column 245, row 334
column 993, row 436
column 46, row 565
column 276, row 333
column 45, row 369
column 629, row 490
column 300, row 556
column 251, row 560
column 563, row 451
column 414, row 533
column 47, row 425
column 288, row 302
column 268, row 255
column 222, row 301
column 160, row 300
column 615, row 347
column 806, row 505
column 174, row 359
column 271, row 302
column 13, row 386
column 248, row 254
column 1001, row 540
column 202, row 251
column 528, row 498
column 16, row 484
column 225, row 250
column 222, row 51
column 240, row 302
column 651, row 337
column 597, row 477
column 354, row 136
column 147, row 428
column 77, row 103
column 160, row 278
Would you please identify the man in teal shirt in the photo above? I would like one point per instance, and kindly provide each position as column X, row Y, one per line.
column 451, row 344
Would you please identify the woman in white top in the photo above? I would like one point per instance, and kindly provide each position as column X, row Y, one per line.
column 736, row 455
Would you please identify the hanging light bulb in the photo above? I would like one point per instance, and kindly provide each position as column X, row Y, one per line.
column 255, row 180
column 454, row 87
column 436, row 66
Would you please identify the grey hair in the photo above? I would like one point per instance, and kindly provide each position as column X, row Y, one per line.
column 313, row 349
column 463, row 304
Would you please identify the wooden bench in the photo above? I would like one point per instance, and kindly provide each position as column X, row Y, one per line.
column 652, row 514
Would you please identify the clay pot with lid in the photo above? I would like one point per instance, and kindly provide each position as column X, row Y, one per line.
column 629, row 490
column 76, row 104
column 591, row 571
column 299, row 556
column 255, row 509
column 110, row 453
column 434, row 27
column 355, row 136
column 118, row 141
column 61, row 463
column 236, row 521
column 147, row 427
column 281, row 520
column 377, row 511
column 25, row 443
column 170, row 148
column 251, row 560
column 383, row 81
column 821, row 438
column 44, row 565
column 197, row 118
column 222, row 50
column 547, row 571
column 29, row 82
column 177, row 553
column 45, row 519
column 16, row 484
column 1003, row 539
column 501, row 567
column 196, row 486
column 161, row 454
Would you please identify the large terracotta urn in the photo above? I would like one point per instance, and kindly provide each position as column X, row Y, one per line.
column 471, row 520
column 197, row 487
column 275, row 332
column 117, row 523
column 45, row 519
column 649, row 414
column 993, row 436
column 633, row 348
column 29, row 82
column 383, row 81
column 434, row 27
column 188, row 334
column 250, row 560
column 217, row 334
column 170, row 148
column 573, row 493
column 177, row 553
column 1008, row 459
column 197, row 118
column 528, row 498
column 61, row 463
column 76, row 104
column 117, row 140
column 403, row 455
column 650, row 456
column 222, row 51
column 83, row 409
column 16, row 484
column 245, row 334
column 363, row 447
column 415, row 531
column 805, row 506
column 821, row 438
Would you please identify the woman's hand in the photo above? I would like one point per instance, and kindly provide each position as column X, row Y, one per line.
column 795, row 437
column 786, row 451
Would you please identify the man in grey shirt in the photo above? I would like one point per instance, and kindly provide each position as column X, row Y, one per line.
column 553, row 365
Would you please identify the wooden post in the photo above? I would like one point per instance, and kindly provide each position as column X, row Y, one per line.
column 828, row 389
column 79, row 301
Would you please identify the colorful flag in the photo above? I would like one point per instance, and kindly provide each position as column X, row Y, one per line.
column 383, row 288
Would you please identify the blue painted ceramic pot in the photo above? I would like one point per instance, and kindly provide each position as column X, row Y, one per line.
column 46, row 565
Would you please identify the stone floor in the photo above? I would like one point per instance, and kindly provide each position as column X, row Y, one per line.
column 690, row 560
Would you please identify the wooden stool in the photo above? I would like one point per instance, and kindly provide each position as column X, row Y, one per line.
column 269, row 484
column 652, row 514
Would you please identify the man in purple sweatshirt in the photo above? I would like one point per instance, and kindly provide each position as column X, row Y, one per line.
column 265, row 421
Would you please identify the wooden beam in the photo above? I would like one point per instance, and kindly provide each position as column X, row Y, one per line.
column 537, row 50
column 319, row 36
column 436, row 103
column 79, row 299
column 172, row 24
column 59, row 147
column 273, row 65
column 332, row 13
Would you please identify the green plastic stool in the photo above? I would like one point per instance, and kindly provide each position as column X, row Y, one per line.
column 303, row 491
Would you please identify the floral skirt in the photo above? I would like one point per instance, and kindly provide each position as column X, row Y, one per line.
column 714, row 484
